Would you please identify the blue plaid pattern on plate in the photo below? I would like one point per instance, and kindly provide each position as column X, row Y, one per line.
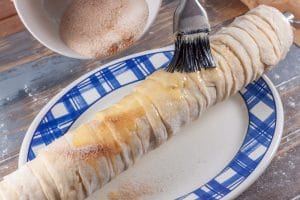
column 262, row 122
column 257, row 96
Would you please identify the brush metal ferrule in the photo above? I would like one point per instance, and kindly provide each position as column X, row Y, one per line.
column 190, row 17
column 290, row 17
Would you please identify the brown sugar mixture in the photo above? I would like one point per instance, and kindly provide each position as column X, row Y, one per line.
column 133, row 191
column 101, row 28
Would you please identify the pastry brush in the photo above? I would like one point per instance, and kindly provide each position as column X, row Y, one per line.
column 192, row 46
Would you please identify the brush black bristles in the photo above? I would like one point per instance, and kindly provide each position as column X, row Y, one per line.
column 192, row 53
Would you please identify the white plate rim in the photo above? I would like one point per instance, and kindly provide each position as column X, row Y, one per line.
column 269, row 155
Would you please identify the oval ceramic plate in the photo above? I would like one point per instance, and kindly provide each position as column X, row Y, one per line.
column 216, row 157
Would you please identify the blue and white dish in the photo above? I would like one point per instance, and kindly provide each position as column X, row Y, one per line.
column 216, row 157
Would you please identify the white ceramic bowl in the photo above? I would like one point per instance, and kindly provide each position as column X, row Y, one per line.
column 42, row 19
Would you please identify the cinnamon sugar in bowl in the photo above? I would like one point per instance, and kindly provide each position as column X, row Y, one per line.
column 101, row 28
column 48, row 21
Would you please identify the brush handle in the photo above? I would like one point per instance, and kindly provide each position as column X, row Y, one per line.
column 190, row 16
column 295, row 23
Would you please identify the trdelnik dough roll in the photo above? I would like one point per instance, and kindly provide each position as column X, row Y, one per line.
column 85, row 159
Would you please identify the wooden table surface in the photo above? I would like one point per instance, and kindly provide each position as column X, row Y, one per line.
column 30, row 75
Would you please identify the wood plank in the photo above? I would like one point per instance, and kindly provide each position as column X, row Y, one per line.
column 24, row 51
column 10, row 25
column 7, row 9
column 9, row 21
